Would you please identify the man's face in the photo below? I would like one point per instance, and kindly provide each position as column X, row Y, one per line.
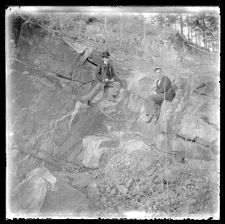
column 158, row 73
column 105, row 60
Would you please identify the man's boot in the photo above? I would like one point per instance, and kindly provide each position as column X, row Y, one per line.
column 85, row 100
column 82, row 99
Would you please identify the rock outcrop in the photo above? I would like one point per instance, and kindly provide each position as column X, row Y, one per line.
column 28, row 196
column 64, row 201
column 94, row 147
column 41, row 106
column 189, row 124
column 108, row 140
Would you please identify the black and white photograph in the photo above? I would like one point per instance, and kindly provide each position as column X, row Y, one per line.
column 112, row 112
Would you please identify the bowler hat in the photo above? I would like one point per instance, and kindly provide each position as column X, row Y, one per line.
column 105, row 54
column 156, row 68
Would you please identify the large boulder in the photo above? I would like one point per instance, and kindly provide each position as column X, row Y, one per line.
column 108, row 107
column 25, row 164
column 134, row 145
column 93, row 192
column 141, row 85
column 29, row 195
column 208, row 88
column 146, row 129
column 82, row 179
column 190, row 116
column 52, row 56
column 189, row 123
column 70, row 148
column 192, row 127
column 93, row 149
column 170, row 113
column 180, row 82
column 59, row 54
column 132, row 142
column 186, row 149
column 135, row 103
column 206, row 108
column 84, row 122
column 64, row 201
column 189, row 126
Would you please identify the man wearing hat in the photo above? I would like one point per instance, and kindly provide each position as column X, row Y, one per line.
column 104, row 80
column 163, row 91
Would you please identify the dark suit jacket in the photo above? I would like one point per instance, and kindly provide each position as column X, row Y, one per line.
column 164, row 85
column 103, row 72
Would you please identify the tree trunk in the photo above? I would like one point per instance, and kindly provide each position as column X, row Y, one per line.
column 188, row 27
column 143, row 27
column 105, row 33
column 204, row 38
column 188, row 33
column 204, row 32
column 80, row 26
column 196, row 37
column 191, row 34
column 175, row 25
column 144, row 36
column 181, row 24
column 121, row 34
column 199, row 39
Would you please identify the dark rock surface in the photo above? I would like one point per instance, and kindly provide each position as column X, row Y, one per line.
column 105, row 157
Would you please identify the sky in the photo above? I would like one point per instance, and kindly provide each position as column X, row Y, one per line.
column 116, row 9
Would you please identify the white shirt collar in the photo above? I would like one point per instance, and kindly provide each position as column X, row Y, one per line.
column 159, row 81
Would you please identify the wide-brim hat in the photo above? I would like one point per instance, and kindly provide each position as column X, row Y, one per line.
column 105, row 54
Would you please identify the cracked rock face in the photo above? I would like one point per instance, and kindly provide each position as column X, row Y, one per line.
column 64, row 201
column 93, row 150
column 29, row 195
column 188, row 130
column 93, row 192
column 77, row 142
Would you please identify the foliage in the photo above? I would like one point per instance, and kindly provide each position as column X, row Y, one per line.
column 141, row 184
column 135, row 35
column 208, row 24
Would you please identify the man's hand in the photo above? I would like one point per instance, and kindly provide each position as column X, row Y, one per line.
column 109, row 80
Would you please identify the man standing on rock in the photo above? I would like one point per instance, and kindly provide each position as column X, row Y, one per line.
column 104, row 80
column 163, row 91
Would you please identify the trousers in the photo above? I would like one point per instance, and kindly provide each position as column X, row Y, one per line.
column 153, row 102
column 109, row 90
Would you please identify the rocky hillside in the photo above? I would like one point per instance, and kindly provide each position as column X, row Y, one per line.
column 104, row 159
